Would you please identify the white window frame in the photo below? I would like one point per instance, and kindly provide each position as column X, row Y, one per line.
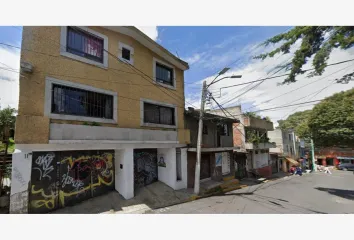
column 49, row 81
column 144, row 124
column 120, row 52
column 155, row 60
column 63, row 43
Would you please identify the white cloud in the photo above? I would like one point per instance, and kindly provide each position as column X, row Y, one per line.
column 151, row 31
column 193, row 59
column 256, row 69
column 9, row 85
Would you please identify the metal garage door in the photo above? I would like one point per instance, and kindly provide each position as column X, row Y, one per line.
column 65, row 178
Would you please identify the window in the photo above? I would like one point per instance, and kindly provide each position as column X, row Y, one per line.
column 126, row 53
column 225, row 130
column 178, row 164
column 159, row 114
column 75, row 101
column 289, row 137
column 164, row 74
column 84, row 44
column 205, row 129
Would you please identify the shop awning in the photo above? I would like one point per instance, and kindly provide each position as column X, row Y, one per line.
column 345, row 158
column 292, row 161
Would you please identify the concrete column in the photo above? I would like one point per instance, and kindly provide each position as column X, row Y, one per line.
column 183, row 183
column 167, row 174
column 124, row 172
column 20, row 179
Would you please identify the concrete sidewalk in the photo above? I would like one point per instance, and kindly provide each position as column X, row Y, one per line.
column 156, row 195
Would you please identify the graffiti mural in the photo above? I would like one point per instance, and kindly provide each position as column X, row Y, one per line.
column 62, row 179
column 145, row 167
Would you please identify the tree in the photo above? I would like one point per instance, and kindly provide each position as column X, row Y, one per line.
column 7, row 120
column 314, row 43
column 299, row 122
column 331, row 122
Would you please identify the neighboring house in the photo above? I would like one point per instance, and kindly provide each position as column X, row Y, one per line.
column 251, row 136
column 289, row 147
column 100, row 109
column 332, row 156
column 217, row 146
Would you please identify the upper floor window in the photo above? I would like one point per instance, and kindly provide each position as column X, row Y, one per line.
column 159, row 114
column 85, row 45
column 75, row 101
column 126, row 53
column 164, row 74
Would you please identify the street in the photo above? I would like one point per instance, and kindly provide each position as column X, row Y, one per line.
column 311, row 193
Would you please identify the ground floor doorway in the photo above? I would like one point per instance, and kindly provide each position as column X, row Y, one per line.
column 145, row 167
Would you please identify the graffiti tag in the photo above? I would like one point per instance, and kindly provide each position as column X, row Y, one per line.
column 45, row 162
column 67, row 180
column 18, row 176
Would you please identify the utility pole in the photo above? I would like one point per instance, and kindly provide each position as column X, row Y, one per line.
column 199, row 141
column 313, row 156
column 200, row 127
column 294, row 141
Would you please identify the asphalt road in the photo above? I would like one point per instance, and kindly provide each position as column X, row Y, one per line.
column 311, row 193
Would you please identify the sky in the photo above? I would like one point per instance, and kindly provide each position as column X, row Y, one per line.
column 208, row 50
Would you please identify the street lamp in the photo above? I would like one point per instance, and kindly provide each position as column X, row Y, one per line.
column 200, row 126
column 220, row 73
column 233, row 76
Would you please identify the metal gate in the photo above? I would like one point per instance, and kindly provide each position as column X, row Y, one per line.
column 145, row 167
column 62, row 179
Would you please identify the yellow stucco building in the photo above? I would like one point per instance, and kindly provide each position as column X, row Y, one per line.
column 100, row 109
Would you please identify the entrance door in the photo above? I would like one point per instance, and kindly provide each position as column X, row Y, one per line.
column 205, row 166
column 145, row 167
column 240, row 165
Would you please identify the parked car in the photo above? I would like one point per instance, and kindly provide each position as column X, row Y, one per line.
column 346, row 166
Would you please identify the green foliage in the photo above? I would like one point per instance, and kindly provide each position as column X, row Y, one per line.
column 7, row 119
column 256, row 137
column 268, row 119
column 313, row 44
column 11, row 147
column 298, row 122
column 332, row 121
column 252, row 114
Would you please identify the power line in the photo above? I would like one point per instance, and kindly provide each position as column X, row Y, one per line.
column 267, row 101
column 273, row 74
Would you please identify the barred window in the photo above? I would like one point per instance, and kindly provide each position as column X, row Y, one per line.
column 84, row 44
column 164, row 74
column 159, row 114
column 74, row 101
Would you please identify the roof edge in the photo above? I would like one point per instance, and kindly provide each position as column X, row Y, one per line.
column 145, row 40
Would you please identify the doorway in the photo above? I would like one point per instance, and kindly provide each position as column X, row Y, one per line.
column 145, row 167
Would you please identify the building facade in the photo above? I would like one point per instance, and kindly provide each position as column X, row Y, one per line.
column 251, row 135
column 217, row 147
column 100, row 109
column 289, row 148
column 332, row 156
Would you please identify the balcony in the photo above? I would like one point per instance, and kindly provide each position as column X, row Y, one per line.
column 82, row 133
column 253, row 146
column 258, row 123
